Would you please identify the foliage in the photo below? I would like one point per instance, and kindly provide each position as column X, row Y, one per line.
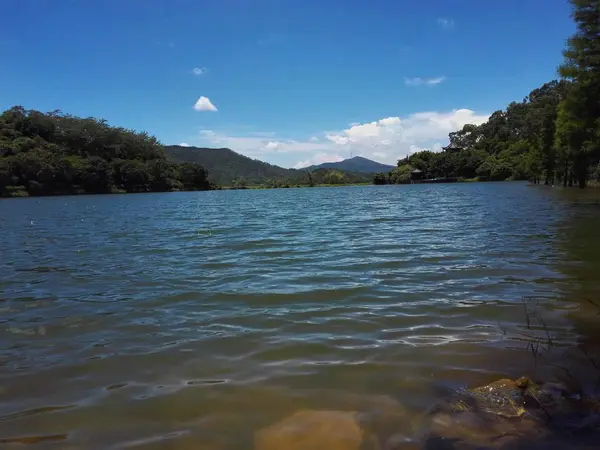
column 240, row 183
column 580, row 120
column 552, row 135
column 516, row 143
column 381, row 178
column 334, row 177
column 401, row 174
column 56, row 153
column 329, row 176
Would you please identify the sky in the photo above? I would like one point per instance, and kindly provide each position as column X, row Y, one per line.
column 290, row 82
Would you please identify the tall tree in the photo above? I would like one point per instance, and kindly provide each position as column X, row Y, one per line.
column 582, row 104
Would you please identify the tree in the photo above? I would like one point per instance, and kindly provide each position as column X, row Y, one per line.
column 334, row 177
column 401, row 174
column 240, row 183
column 380, row 178
column 582, row 106
column 194, row 177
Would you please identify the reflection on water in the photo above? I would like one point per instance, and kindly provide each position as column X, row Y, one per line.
column 179, row 320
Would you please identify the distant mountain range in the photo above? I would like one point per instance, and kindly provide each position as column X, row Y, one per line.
column 224, row 166
column 357, row 164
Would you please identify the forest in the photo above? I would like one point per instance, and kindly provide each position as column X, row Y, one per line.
column 552, row 136
column 56, row 153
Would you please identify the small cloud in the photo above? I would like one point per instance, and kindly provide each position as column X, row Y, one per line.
column 314, row 139
column 199, row 71
column 445, row 22
column 204, row 104
column 417, row 81
column 184, row 144
column 272, row 145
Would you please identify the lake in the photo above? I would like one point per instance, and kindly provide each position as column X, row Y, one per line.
column 191, row 320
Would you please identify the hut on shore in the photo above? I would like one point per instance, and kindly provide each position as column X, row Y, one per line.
column 416, row 175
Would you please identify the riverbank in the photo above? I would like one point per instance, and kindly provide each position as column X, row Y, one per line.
column 21, row 192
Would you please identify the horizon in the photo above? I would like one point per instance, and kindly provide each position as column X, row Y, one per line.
column 293, row 86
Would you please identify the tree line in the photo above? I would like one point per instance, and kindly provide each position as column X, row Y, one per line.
column 551, row 136
column 56, row 153
column 307, row 178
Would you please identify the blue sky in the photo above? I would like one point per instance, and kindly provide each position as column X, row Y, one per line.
column 291, row 82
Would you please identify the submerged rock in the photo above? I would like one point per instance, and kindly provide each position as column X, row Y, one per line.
column 370, row 422
column 509, row 414
column 312, row 430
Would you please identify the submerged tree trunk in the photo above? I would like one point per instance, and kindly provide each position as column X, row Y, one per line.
column 550, row 171
column 581, row 170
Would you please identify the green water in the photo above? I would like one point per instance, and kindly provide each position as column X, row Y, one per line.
column 190, row 320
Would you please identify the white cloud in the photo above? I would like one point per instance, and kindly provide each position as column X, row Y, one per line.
column 184, row 144
column 319, row 158
column 252, row 145
column 385, row 140
column 199, row 70
column 204, row 104
column 417, row 81
column 390, row 121
column 445, row 22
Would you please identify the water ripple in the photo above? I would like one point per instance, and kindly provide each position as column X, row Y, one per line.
column 141, row 313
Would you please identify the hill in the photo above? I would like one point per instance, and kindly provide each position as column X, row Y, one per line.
column 358, row 164
column 228, row 168
column 224, row 165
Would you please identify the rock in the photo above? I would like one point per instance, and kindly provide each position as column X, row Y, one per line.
column 503, row 397
column 385, row 421
column 490, row 416
column 312, row 430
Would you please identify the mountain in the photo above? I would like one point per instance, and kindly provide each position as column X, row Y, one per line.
column 225, row 165
column 357, row 164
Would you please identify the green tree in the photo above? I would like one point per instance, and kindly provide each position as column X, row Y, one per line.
column 240, row 183
column 582, row 67
column 334, row 177
column 380, row 178
column 401, row 174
